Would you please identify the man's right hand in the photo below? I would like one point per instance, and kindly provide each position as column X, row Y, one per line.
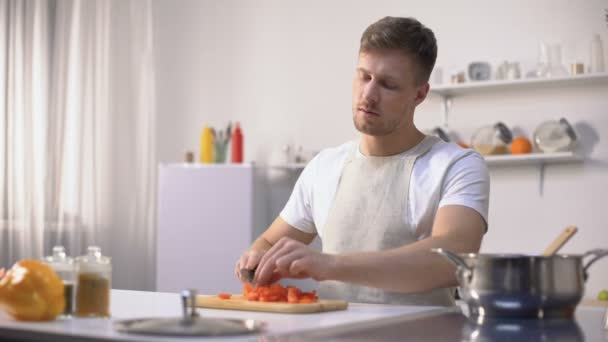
column 277, row 230
column 249, row 260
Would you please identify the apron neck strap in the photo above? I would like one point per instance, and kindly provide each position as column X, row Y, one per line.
column 423, row 147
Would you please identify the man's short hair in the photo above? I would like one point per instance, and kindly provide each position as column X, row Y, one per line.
column 407, row 35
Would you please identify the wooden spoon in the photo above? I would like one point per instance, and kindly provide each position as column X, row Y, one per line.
column 560, row 241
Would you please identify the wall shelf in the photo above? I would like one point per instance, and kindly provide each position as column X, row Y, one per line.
column 533, row 159
column 476, row 86
column 450, row 91
column 538, row 159
column 289, row 167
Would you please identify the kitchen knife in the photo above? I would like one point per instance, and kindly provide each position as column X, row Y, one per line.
column 247, row 275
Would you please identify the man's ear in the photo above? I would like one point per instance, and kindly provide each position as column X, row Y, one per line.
column 421, row 93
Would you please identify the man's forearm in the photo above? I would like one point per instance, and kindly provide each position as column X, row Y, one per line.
column 261, row 244
column 408, row 269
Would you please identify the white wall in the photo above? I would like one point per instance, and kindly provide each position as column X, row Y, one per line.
column 284, row 69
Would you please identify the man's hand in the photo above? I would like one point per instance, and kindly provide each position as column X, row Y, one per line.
column 249, row 260
column 289, row 258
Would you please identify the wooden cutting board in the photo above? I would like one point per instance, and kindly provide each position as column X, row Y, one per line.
column 238, row 302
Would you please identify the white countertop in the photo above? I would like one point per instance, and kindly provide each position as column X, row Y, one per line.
column 138, row 304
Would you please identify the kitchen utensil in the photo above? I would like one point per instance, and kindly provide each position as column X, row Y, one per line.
column 238, row 302
column 492, row 139
column 479, row 71
column 64, row 268
column 247, row 275
column 560, row 241
column 521, row 286
column 555, row 136
column 190, row 324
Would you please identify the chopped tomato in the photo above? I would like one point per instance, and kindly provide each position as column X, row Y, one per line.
column 246, row 288
column 278, row 293
column 224, row 295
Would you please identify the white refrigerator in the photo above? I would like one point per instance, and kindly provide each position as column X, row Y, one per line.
column 205, row 222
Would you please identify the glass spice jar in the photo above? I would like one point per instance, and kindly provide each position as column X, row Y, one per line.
column 94, row 282
column 64, row 267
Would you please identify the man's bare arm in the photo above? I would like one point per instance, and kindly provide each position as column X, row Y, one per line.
column 414, row 268
column 278, row 229
column 407, row 269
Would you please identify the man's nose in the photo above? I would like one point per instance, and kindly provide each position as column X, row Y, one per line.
column 370, row 92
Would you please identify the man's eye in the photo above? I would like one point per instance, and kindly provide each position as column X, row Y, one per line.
column 390, row 86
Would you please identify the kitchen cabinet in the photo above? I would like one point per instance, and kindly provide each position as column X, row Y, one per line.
column 205, row 222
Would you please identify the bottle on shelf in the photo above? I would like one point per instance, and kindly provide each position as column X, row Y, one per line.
column 237, row 144
column 596, row 63
column 207, row 145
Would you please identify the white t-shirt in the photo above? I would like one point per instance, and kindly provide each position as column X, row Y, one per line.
column 445, row 175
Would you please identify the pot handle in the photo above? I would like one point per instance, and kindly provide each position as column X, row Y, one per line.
column 453, row 257
column 597, row 254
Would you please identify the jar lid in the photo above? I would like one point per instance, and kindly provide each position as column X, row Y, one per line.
column 439, row 132
column 93, row 257
column 568, row 128
column 503, row 132
column 59, row 260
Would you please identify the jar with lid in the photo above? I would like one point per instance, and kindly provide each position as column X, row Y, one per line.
column 555, row 136
column 64, row 267
column 492, row 139
column 440, row 133
column 93, row 289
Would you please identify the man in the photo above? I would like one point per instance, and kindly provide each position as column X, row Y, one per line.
column 381, row 204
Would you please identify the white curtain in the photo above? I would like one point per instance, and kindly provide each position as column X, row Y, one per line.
column 77, row 154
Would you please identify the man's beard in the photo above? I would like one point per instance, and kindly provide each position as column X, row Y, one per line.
column 375, row 129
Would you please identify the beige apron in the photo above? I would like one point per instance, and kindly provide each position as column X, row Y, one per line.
column 370, row 213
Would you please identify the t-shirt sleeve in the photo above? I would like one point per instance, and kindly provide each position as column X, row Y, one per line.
column 467, row 183
column 298, row 210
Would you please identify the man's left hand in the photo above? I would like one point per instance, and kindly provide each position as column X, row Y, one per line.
column 289, row 258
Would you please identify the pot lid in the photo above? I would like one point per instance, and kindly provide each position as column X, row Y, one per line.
column 190, row 324
column 197, row 327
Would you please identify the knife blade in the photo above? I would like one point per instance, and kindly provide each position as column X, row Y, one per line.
column 248, row 275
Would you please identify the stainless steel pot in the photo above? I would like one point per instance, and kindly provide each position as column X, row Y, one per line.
column 518, row 286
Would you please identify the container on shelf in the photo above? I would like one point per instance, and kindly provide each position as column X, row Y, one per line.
column 493, row 139
column 555, row 136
